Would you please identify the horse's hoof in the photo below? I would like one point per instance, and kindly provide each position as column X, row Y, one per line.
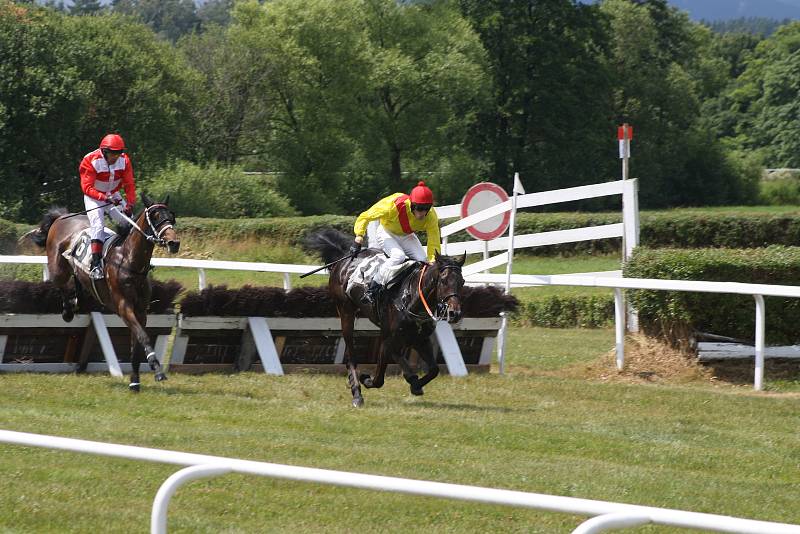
column 160, row 377
column 417, row 391
column 358, row 402
column 67, row 315
column 365, row 379
column 134, row 387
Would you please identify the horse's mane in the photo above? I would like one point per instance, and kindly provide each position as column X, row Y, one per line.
column 39, row 236
column 330, row 243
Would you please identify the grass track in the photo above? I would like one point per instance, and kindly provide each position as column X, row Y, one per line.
column 695, row 447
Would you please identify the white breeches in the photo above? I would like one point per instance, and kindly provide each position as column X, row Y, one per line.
column 97, row 216
column 398, row 247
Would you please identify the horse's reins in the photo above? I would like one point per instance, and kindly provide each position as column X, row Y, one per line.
column 441, row 301
column 157, row 232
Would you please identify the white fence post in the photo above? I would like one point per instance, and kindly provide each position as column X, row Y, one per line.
column 761, row 319
column 619, row 327
column 99, row 325
column 630, row 240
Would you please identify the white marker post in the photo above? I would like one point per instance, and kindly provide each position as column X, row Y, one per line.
column 501, row 335
column 624, row 136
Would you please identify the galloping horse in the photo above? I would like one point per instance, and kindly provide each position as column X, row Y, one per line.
column 125, row 289
column 403, row 312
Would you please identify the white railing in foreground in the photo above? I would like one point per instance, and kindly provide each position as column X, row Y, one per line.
column 757, row 291
column 606, row 515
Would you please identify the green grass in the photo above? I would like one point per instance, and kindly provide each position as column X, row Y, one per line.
column 695, row 447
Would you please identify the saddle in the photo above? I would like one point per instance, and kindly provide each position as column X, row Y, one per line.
column 367, row 269
column 79, row 255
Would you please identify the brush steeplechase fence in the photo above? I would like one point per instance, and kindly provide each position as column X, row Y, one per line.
column 219, row 329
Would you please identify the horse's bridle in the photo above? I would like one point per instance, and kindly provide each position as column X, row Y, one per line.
column 157, row 232
column 441, row 304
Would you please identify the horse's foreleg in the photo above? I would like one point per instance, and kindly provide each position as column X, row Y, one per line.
column 348, row 325
column 424, row 349
column 409, row 374
column 69, row 299
column 380, row 370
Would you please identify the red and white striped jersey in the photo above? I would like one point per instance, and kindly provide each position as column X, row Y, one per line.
column 98, row 179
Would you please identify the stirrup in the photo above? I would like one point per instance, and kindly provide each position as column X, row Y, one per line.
column 97, row 272
column 371, row 293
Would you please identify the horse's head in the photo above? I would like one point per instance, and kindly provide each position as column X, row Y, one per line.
column 448, row 289
column 158, row 221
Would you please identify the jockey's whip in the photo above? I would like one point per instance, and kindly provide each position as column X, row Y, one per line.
column 334, row 262
column 87, row 211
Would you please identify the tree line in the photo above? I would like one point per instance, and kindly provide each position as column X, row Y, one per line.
column 342, row 101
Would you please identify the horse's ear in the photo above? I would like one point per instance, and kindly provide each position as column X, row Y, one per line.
column 146, row 200
column 166, row 200
column 436, row 255
column 462, row 260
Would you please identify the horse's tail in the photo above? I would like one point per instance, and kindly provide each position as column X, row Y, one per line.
column 39, row 236
column 330, row 243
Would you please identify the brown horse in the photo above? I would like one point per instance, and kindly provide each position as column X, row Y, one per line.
column 406, row 313
column 125, row 290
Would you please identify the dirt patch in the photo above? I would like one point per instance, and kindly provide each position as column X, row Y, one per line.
column 646, row 360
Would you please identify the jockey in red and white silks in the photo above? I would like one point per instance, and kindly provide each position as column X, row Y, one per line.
column 103, row 173
column 392, row 223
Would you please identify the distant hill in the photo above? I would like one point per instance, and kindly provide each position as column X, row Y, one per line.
column 720, row 10
column 713, row 10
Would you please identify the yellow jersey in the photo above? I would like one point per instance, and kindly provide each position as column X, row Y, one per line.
column 389, row 211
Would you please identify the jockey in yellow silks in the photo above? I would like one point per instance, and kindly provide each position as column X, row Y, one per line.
column 391, row 225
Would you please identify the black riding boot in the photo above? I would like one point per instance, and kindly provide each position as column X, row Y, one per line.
column 372, row 292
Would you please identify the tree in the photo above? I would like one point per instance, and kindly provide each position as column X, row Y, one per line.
column 42, row 100
column 339, row 89
column 551, row 118
column 170, row 19
column 69, row 80
column 760, row 111
column 664, row 66
column 86, row 7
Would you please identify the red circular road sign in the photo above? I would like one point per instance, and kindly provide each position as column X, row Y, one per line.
column 480, row 197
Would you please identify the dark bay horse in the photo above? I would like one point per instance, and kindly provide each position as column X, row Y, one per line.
column 125, row 290
column 406, row 313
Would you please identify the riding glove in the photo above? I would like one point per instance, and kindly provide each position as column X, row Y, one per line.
column 128, row 210
column 355, row 248
column 114, row 198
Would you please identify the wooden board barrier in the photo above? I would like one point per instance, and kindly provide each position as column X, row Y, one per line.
column 46, row 343
column 204, row 344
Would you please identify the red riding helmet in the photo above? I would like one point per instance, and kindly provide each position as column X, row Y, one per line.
column 422, row 194
column 113, row 142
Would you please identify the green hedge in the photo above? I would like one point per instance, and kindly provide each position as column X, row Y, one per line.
column 674, row 228
column 574, row 311
column 8, row 237
column 290, row 230
column 675, row 315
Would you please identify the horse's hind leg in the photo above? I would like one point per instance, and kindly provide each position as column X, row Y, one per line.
column 137, row 352
column 141, row 341
column 348, row 325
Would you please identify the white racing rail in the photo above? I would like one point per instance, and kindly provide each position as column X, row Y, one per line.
column 605, row 515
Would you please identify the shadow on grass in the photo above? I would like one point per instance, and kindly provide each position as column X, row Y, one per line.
column 468, row 407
